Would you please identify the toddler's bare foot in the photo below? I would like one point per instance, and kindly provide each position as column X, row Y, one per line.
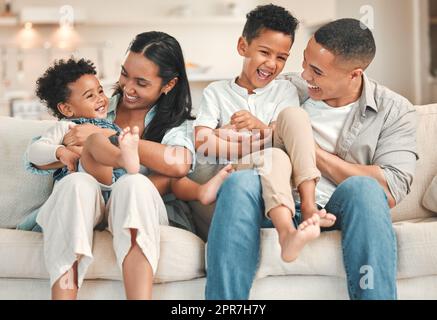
column 208, row 191
column 128, row 142
column 293, row 243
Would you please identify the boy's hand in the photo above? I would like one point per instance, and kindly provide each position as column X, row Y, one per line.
column 68, row 158
column 231, row 134
column 245, row 120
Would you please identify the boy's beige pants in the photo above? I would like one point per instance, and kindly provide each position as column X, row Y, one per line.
column 76, row 206
column 290, row 162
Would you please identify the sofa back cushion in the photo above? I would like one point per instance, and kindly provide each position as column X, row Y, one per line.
column 20, row 191
column 411, row 207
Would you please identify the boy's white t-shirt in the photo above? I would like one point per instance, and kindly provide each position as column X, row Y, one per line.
column 327, row 123
column 221, row 99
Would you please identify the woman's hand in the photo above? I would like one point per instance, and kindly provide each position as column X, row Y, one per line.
column 79, row 133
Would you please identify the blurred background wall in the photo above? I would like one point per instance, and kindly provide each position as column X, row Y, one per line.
column 31, row 38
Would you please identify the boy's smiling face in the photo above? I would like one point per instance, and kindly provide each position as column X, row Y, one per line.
column 86, row 100
column 264, row 58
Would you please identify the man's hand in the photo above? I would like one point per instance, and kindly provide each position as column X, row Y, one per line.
column 68, row 158
column 245, row 120
column 337, row 170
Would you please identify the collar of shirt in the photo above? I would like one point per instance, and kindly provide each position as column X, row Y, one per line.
column 112, row 111
column 244, row 92
column 367, row 99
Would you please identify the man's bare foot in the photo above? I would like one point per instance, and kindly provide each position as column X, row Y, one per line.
column 327, row 220
column 208, row 191
column 293, row 243
column 128, row 142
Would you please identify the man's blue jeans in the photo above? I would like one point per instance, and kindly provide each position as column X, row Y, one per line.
column 363, row 216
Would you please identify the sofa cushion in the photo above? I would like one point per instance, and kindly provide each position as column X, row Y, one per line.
column 417, row 253
column 182, row 254
column 181, row 258
column 23, row 191
column 430, row 197
column 411, row 207
column 20, row 191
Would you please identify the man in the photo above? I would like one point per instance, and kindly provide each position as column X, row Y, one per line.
column 366, row 153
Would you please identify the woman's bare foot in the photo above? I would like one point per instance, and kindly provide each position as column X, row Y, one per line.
column 208, row 191
column 327, row 220
column 128, row 142
column 293, row 242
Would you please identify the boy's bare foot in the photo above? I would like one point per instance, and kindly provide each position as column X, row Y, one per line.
column 208, row 191
column 293, row 243
column 327, row 220
column 128, row 142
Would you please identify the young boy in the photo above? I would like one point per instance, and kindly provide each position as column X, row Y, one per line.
column 251, row 104
column 74, row 95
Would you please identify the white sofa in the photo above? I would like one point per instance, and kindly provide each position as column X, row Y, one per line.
column 317, row 274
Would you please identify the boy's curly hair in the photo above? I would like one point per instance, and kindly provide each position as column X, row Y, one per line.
column 52, row 88
column 269, row 17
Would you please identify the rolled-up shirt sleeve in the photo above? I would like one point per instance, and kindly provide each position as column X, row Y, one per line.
column 396, row 151
column 182, row 136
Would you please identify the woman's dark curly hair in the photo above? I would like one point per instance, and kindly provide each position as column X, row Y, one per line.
column 52, row 88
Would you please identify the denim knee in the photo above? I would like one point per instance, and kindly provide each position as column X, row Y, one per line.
column 361, row 188
column 245, row 182
column 242, row 190
column 365, row 194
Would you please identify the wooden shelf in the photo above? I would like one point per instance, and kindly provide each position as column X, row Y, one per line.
column 182, row 21
column 152, row 21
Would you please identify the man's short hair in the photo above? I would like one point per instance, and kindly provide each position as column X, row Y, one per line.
column 348, row 39
column 269, row 17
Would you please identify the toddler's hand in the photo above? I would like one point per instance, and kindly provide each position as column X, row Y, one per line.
column 68, row 158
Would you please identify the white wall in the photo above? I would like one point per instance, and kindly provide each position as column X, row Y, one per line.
column 114, row 23
column 394, row 65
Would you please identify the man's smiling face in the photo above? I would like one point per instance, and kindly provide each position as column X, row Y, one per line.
column 327, row 79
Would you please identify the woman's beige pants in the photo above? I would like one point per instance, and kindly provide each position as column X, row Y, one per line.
column 76, row 206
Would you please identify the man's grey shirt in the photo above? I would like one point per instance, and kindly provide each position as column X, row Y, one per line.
column 380, row 131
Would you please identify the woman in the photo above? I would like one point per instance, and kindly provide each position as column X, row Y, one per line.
column 152, row 94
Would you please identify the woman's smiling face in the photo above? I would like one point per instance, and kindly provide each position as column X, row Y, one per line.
column 140, row 82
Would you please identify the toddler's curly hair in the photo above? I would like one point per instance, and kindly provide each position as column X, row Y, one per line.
column 52, row 88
